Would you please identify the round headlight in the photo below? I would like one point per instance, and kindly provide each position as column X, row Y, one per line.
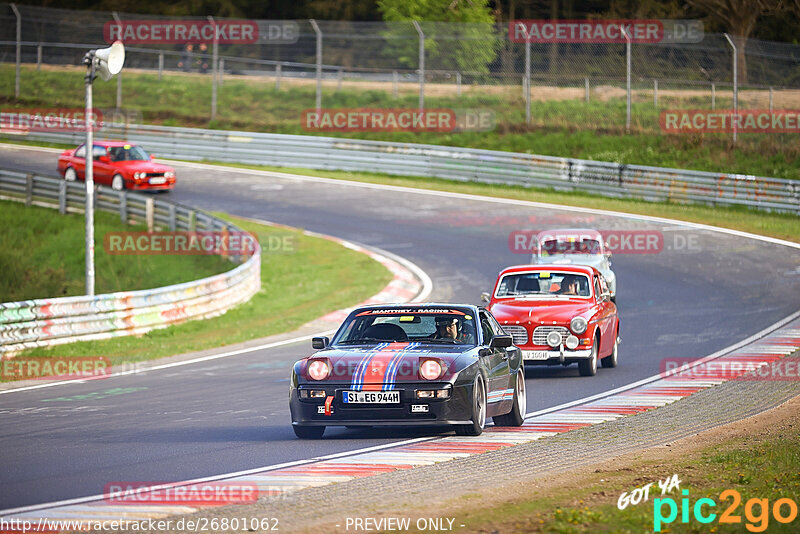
column 578, row 325
column 430, row 369
column 318, row 370
column 554, row 339
column 572, row 342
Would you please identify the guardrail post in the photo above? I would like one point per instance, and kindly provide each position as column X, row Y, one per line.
column 149, row 214
column 123, row 206
column 160, row 65
column 39, row 57
column 19, row 48
column 192, row 221
column 620, row 177
column 62, row 197
column 28, row 189
column 173, row 223
column 421, row 65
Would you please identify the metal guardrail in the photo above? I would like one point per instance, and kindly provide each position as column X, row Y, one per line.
column 462, row 164
column 43, row 322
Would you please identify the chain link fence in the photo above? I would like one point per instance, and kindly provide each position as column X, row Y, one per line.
column 558, row 85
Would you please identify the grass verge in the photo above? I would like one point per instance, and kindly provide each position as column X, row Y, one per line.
column 304, row 280
column 782, row 226
column 42, row 256
column 592, row 130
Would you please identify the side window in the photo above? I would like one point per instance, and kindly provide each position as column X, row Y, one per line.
column 81, row 152
column 486, row 327
column 98, row 151
column 597, row 289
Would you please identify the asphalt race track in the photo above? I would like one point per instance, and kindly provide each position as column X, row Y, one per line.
column 702, row 292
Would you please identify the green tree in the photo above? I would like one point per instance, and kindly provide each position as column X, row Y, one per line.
column 460, row 35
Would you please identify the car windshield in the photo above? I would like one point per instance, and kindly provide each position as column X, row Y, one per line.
column 451, row 326
column 544, row 284
column 570, row 245
column 128, row 153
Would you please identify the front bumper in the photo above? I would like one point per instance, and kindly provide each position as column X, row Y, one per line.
column 457, row 409
column 550, row 356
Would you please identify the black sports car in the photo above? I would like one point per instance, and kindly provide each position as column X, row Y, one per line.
column 409, row 364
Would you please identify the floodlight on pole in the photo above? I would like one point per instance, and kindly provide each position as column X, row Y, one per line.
column 106, row 62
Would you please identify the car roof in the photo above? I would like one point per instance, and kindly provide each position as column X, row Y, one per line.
column 571, row 268
column 567, row 232
column 415, row 305
column 114, row 143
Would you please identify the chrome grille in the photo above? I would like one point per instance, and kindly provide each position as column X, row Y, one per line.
column 540, row 334
column 518, row 333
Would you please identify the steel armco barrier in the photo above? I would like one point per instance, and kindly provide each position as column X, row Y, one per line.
column 42, row 322
column 461, row 164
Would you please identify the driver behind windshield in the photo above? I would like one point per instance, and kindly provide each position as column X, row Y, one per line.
column 446, row 328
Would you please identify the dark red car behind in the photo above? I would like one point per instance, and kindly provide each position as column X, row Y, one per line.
column 119, row 165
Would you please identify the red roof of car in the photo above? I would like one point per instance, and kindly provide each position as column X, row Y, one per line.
column 582, row 269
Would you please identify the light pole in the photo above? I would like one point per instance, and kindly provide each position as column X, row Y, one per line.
column 106, row 62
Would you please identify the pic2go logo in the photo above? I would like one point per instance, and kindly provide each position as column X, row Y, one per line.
column 756, row 511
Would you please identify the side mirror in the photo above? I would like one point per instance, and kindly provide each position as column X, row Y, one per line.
column 485, row 298
column 605, row 295
column 104, row 159
column 152, row 156
column 319, row 342
column 501, row 341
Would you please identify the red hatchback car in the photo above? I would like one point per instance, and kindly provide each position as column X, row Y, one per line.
column 558, row 315
column 118, row 164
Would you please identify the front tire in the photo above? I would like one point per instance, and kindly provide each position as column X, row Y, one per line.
column 612, row 360
column 308, row 432
column 117, row 183
column 517, row 414
column 589, row 367
column 478, row 410
column 70, row 175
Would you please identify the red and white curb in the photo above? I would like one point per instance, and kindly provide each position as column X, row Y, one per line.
column 276, row 481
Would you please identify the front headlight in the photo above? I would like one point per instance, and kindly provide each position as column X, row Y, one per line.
column 169, row 174
column 578, row 325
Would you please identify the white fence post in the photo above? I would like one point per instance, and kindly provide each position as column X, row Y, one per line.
column 19, row 49
column 421, row 65
column 319, row 63
column 735, row 86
